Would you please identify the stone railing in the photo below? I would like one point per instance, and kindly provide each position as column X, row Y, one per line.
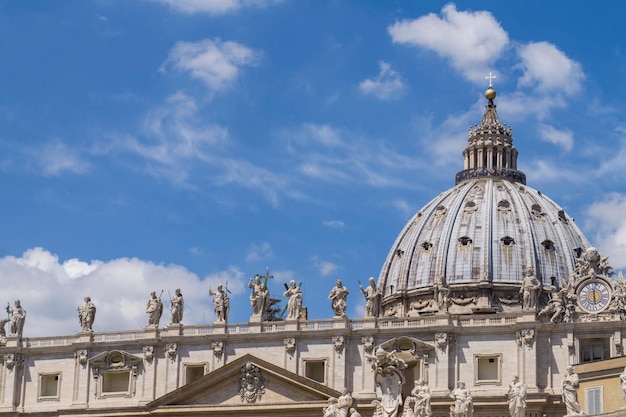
column 306, row 326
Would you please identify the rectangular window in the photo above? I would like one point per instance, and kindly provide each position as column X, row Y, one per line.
column 315, row 370
column 193, row 373
column 594, row 349
column 487, row 369
column 593, row 397
column 116, row 382
column 49, row 386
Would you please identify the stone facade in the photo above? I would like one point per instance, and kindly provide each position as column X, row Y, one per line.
column 177, row 367
column 490, row 294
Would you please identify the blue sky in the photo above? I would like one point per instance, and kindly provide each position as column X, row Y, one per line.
column 151, row 145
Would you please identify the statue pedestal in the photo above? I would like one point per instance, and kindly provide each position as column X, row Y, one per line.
column 220, row 327
column 85, row 337
column 151, row 332
column 13, row 341
column 255, row 318
column 340, row 322
column 255, row 327
column 369, row 322
column 175, row 329
column 527, row 316
column 291, row 324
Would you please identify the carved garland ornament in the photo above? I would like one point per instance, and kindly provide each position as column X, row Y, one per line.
column 290, row 345
column 171, row 350
column 12, row 360
column 463, row 301
column 338, row 343
column 441, row 339
column 81, row 356
column 526, row 336
column 148, row 353
column 218, row 348
column 368, row 343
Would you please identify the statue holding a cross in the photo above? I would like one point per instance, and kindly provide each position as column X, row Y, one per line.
column 260, row 296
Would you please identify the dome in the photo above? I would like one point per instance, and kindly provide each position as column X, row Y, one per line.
column 478, row 238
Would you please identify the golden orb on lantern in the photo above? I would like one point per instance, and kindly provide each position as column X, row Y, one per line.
column 490, row 93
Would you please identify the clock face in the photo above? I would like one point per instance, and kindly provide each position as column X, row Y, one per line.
column 594, row 296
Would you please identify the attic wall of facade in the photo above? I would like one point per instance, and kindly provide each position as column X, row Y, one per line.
column 128, row 370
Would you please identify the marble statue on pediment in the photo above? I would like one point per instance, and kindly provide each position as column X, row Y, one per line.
column 260, row 296
column 154, row 308
column 17, row 317
column 338, row 297
column 372, row 298
column 340, row 406
column 87, row 315
column 530, row 289
column 516, row 395
column 463, row 402
column 294, row 303
column 177, row 307
column 570, row 386
column 418, row 403
column 221, row 304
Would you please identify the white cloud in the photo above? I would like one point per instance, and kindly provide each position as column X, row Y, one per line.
column 606, row 220
column 323, row 134
column 259, row 251
column 172, row 139
column 548, row 69
column 214, row 62
column 51, row 290
column 519, row 105
column 403, row 206
column 326, row 268
column 387, row 85
column 212, row 7
column 561, row 138
column 472, row 41
column 195, row 251
column 248, row 175
column 55, row 158
column 232, row 279
column 335, row 224
column 338, row 156
column 541, row 171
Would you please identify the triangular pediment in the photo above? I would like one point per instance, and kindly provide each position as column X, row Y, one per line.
column 409, row 349
column 222, row 388
column 115, row 359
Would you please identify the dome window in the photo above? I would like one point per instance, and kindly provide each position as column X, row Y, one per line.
column 537, row 211
column 470, row 207
column 440, row 211
column 504, row 205
column 562, row 216
column 507, row 241
column 465, row 241
column 399, row 253
column 548, row 245
column 426, row 246
column 578, row 252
